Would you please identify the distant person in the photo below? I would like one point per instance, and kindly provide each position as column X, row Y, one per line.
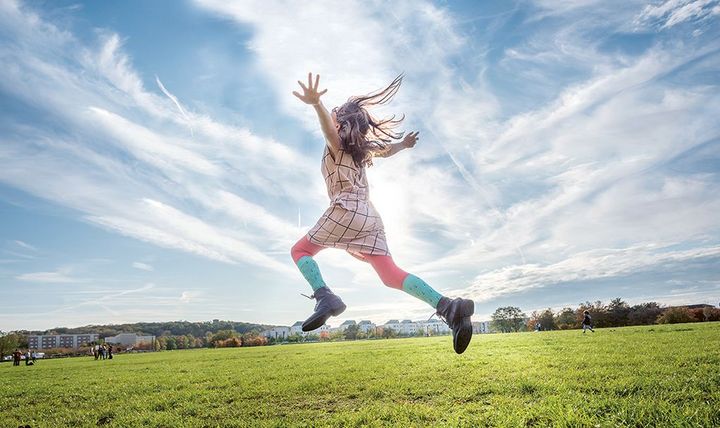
column 109, row 352
column 587, row 322
column 96, row 351
column 34, row 356
column 28, row 358
column 103, row 351
column 16, row 357
column 351, row 222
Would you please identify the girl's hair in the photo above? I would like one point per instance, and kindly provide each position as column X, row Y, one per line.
column 360, row 133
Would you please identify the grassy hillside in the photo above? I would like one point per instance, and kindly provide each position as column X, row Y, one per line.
column 635, row 376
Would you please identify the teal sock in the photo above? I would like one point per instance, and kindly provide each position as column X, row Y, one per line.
column 416, row 287
column 311, row 272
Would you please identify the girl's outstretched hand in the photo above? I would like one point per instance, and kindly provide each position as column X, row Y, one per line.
column 410, row 139
column 310, row 93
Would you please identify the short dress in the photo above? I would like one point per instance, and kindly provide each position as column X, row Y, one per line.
column 351, row 222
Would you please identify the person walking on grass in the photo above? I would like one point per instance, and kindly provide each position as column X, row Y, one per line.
column 587, row 322
column 351, row 222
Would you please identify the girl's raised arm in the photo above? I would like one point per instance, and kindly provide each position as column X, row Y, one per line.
column 312, row 96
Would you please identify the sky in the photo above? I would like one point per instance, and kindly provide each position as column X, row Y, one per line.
column 155, row 166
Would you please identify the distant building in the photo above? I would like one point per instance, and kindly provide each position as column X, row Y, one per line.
column 481, row 327
column 73, row 341
column 345, row 325
column 366, row 326
column 393, row 325
column 276, row 333
column 130, row 339
column 435, row 326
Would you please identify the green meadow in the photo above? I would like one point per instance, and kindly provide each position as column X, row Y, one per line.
column 665, row 375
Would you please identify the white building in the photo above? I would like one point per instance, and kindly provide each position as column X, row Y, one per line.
column 276, row 333
column 297, row 328
column 481, row 327
column 366, row 326
column 130, row 339
column 410, row 328
column 345, row 325
column 435, row 327
column 393, row 325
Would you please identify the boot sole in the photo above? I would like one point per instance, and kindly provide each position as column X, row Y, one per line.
column 317, row 320
column 464, row 335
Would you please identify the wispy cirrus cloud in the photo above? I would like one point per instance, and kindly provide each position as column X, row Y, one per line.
column 60, row 276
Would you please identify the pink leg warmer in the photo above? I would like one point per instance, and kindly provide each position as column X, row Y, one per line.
column 389, row 273
column 303, row 248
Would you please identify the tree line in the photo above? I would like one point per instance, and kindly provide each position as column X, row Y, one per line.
column 169, row 328
column 617, row 313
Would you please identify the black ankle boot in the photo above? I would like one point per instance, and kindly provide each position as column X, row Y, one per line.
column 456, row 313
column 328, row 304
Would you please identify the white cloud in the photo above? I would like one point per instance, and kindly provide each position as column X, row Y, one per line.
column 60, row 276
column 143, row 266
column 583, row 266
column 25, row 245
column 673, row 12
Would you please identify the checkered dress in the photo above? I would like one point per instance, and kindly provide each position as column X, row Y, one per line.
column 351, row 222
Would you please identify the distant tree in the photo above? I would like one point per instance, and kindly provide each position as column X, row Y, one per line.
column 251, row 339
column 508, row 318
column 675, row 316
column 220, row 336
column 324, row 336
column 644, row 313
column 170, row 343
column 181, row 342
column 711, row 314
column 337, row 335
column 295, row 338
column 698, row 314
column 617, row 313
column 565, row 319
column 8, row 343
column 388, row 333
column 351, row 332
column 547, row 320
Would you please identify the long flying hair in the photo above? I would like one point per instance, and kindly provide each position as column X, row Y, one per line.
column 360, row 133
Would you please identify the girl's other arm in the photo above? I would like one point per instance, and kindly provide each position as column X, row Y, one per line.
column 409, row 141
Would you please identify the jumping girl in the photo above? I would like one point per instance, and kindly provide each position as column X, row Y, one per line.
column 351, row 223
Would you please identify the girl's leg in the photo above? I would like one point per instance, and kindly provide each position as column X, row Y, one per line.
column 394, row 277
column 302, row 253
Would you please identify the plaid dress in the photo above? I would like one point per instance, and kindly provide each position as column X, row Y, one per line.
column 351, row 222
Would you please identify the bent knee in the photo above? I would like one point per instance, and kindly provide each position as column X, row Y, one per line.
column 297, row 252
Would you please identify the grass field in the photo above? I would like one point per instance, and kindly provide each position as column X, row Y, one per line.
column 635, row 376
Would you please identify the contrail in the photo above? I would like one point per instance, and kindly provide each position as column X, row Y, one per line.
column 177, row 103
